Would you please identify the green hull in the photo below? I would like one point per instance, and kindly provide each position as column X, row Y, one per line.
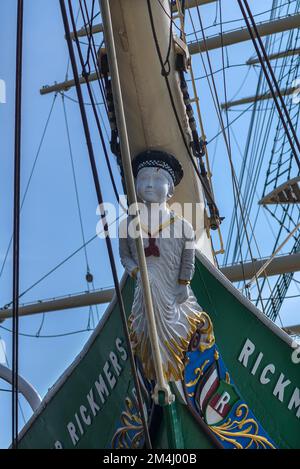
column 83, row 408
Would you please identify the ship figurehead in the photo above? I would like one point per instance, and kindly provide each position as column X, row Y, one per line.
column 169, row 244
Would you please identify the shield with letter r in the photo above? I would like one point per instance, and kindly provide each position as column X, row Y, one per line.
column 215, row 397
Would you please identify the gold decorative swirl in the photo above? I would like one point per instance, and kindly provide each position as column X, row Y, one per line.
column 198, row 372
column 207, row 333
column 130, row 421
column 243, row 428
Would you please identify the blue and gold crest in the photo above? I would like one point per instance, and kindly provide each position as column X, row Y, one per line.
column 211, row 393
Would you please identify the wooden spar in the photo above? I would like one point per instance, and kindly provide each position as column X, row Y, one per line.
column 66, row 85
column 280, row 265
column 292, row 330
column 72, row 301
column 98, row 28
column 264, row 267
column 233, row 37
column 242, row 34
column 234, row 273
column 262, row 97
column 278, row 55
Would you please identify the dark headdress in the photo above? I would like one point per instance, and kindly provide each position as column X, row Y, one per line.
column 158, row 159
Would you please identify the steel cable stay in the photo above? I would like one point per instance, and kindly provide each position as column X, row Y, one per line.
column 228, row 133
column 61, row 263
column 216, row 102
column 254, row 152
column 266, row 137
column 255, row 192
column 242, row 113
column 68, row 62
column 198, row 140
column 271, row 40
column 88, row 25
column 276, row 244
column 100, row 203
column 248, row 190
column 266, row 58
column 171, row 96
column 206, row 189
column 248, row 221
column 100, row 114
column 91, row 97
column 239, row 243
column 255, row 184
column 275, row 84
column 229, row 141
column 50, row 336
column 89, row 277
column 283, row 281
column 215, row 24
column 275, row 137
column 30, row 178
column 247, row 148
column 283, row 277
column 63, row 93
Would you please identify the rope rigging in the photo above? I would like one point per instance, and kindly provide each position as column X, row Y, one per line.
column 261, row 129
column 16, row 225
column 255, row 154
column 30, row 178
column 60, row 264
column 89, row 276
column 100, row 203
column 283, row 282
column 229, row 137
column 85, row 74
column 269, row 74
column 206, row 188
column 238, row 20
column 88, row 25
column 216, row 102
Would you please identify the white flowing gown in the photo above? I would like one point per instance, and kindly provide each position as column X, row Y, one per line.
column 175, row 323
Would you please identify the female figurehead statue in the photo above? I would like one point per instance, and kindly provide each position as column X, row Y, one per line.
column 170, row 255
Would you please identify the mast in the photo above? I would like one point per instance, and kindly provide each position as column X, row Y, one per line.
column 162, row 393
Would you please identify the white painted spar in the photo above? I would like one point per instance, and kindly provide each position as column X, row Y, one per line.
column 150, row 119
column 25, row 388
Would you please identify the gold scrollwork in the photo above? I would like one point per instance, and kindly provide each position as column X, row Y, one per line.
column 243, row 427
column 207, row 333
column 131, row 422
column 198, row 372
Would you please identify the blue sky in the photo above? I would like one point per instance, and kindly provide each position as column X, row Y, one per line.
column 50, row 228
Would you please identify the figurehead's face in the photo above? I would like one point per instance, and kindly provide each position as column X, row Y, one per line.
column 154, row 185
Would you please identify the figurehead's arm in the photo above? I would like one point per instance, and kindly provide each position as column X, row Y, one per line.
column 187, row 266
column 127, row 260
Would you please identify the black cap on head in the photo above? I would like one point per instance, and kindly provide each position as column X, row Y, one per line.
column 158, row 159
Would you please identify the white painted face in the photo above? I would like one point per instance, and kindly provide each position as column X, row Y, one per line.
column 153, row 185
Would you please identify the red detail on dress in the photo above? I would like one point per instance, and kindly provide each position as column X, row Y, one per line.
column 152, row 249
